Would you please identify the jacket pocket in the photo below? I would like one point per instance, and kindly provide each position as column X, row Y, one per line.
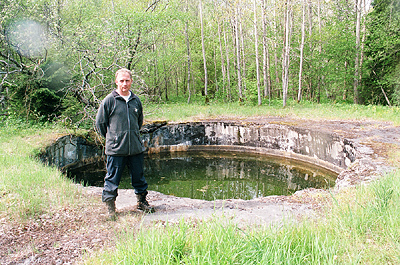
column 136, row 143
column 117, row 143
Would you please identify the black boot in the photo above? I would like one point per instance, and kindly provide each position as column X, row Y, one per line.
column 143, row 204
column 111, row 209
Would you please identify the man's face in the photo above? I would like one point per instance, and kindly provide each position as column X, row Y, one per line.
column 124, row 83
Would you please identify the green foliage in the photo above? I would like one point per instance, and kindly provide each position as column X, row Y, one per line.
column 28, row 98
column 82, row 43
column 382, row 56
column 45, row 102
column 251, row 94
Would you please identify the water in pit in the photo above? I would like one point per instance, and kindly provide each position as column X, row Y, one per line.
column 210, row 176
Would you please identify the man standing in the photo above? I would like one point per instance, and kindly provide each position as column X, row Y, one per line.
column 119, row 119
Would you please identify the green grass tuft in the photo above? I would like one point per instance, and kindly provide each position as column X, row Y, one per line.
column 361, row 228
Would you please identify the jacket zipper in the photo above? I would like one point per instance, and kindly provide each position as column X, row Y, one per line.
column 129, row 128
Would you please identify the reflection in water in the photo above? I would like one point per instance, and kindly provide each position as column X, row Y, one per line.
column 210, row 176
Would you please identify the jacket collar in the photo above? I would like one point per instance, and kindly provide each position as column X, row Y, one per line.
column 116, row 95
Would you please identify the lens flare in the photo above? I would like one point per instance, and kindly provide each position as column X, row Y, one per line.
column 27, row 37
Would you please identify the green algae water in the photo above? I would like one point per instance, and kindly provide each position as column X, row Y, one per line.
column 210, row 175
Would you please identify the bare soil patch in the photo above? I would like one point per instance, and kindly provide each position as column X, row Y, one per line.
column 61, row 237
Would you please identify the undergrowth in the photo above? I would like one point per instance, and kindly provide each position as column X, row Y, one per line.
column 361, row 226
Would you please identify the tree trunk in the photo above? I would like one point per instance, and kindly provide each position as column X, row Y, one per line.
column 204, row 51
column 215, row 70
column 320, row 77
column 303, row 22
column 276, row 52
column 286, row 55
column 345, row 82
column 238, row 68
column 228, row 72
column 310, row 30
column 222, row 59
column 363, row 30
column 188, row 57
column 242, row 46
column 267, row 80
column 256, row 51
column 357, row 59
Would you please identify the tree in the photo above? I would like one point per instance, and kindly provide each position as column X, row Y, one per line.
column 188, row 57
column 24, row 45
column 203, row 50
column 286, row 52
column 168, row 46
column 238, row 57
column 266, row 65
column 357, row 59
column 257, row 56
column 302, row 49
column 381, row 82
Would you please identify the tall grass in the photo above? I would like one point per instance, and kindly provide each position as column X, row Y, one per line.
column 309, row 110
column 360, row 227
column 27, row 187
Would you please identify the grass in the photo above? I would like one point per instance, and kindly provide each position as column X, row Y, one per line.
column 361, row 226
column 27, row 187
column 308, row 110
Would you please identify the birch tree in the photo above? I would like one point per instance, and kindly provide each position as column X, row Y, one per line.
column 357, row 57
column 223, row 67
column 203, row 50
column 238, row 60
column 228, row 72
column 275, row 44
column 256, row 51
column 286, row 53
column 188, row 56
column 266, row 66
column 303, row 21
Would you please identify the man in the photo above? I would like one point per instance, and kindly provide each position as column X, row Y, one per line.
column 119, row 118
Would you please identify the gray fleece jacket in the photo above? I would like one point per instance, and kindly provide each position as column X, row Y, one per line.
column 119, row 122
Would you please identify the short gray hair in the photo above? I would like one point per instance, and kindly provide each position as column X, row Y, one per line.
column 123, row 70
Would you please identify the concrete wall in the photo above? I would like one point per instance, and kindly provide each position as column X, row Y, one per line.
column 326, row 150
column 68, row 150
column 322, row 149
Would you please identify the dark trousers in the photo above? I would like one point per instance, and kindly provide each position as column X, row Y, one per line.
column 115, row 167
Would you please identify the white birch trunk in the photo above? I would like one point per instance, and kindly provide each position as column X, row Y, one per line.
column 286, row 55
column 357, row 59
column 243, row 54
column 302, row 50
column 228, row 72
column 222, row 59
column 256, row 51
column 267, row 81
column 203, row 49
column 188, row 57
column 238, row 68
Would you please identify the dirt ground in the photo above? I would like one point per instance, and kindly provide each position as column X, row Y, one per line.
column 70, row 234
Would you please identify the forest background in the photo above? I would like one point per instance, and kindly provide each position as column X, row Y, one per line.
column 58, row 57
